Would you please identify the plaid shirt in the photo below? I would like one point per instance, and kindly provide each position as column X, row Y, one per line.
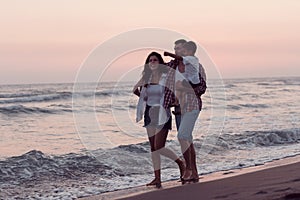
column 169, row 99
column 193, row 99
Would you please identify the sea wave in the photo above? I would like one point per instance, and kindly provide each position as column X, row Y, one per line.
column 281, row 82
column 260, row 138
column 20, row 109
column 270, row 138
column 4, row 96
column 123, row 163
column 241, row 106
column 218, row 144
column 35, row 165
column 254, row 105
column 37, row 97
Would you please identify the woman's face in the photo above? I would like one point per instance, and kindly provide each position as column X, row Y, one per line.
column 153, row 63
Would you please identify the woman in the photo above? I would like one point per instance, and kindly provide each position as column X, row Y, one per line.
column 157, row 117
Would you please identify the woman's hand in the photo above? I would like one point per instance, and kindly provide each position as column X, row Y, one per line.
column 136, row 87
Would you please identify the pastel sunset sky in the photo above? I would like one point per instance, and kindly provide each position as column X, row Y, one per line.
column 47, row 41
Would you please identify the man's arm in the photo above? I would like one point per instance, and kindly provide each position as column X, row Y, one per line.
column 173, row 56
column 178, row 60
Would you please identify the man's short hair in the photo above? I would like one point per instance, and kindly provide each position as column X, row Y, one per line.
column 180, row 41
column 191, row 46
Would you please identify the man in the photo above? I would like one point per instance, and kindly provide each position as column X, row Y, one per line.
column 189, row 114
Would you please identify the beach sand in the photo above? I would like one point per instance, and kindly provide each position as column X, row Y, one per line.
column 275, row 180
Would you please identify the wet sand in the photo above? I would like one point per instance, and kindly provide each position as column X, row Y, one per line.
column 275, row 180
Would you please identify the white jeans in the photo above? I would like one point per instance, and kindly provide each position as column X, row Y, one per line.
column 187, row 124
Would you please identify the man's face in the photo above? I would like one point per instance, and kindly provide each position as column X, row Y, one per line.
column 178, row 49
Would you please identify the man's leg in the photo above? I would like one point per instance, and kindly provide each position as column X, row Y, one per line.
column 194, row 175
column 186, row 152
column 185, row 138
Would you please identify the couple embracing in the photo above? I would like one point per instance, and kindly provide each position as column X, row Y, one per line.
column 179, row 84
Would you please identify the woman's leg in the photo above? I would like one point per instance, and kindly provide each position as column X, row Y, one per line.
column 151, row 131
column 160, row 142
column 151, row 137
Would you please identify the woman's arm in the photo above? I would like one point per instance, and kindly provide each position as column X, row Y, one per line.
column 135, row 89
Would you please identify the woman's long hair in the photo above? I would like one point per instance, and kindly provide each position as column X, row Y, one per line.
column 147, row 71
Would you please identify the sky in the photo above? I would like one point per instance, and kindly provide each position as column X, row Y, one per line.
column 47, row 41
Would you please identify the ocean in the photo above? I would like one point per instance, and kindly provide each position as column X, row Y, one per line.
column 57, row 142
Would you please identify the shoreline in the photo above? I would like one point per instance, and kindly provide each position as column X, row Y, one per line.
column 174, row 187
